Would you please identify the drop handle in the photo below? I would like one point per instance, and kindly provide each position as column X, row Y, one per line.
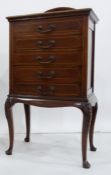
column 50, row 90
column 50, row 28
column 50, row 59
column 49, row 75
column 50, row 44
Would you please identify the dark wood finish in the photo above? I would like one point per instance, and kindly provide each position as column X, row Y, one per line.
column 52, row 65
column 87, row 115
column 8, row 111
column 47, row 75
column 73, row 42
column 52, row 59
column 52, row 90
column 47, row 27
column 60, row 9
column 27, row 117
column 91, row 133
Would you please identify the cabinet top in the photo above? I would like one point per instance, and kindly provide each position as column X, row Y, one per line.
column 57, row 12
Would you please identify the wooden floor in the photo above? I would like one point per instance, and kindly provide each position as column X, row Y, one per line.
column 54, row 154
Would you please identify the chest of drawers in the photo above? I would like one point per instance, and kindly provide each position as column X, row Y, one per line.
column 52, row 65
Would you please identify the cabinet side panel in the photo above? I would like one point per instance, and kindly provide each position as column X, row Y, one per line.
column 11, row 57
column 90, row 64
column 84, row 55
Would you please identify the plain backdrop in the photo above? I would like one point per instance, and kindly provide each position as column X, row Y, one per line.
column 59, row 119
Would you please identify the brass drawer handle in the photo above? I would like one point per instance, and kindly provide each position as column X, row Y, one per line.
column 50, row 90
column 50, row 75
column 49, row 60
column 50, row 28
column 50, row 44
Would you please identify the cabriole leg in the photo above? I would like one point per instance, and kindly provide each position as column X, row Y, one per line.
column 27, row 118
column 87, row 115
column 91, row 133
column 8, row 112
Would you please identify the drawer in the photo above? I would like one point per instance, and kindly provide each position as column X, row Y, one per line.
column 44, row 75
column 42, row 27
column 47, row 59
column 67, row 42
column 52, row 90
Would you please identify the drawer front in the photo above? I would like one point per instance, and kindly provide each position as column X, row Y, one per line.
column 47, row 75
column 52, row 90
column 38, row 27
column 51, row 59
column 67, row 42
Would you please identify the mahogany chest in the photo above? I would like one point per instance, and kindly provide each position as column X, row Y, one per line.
column 52, row 65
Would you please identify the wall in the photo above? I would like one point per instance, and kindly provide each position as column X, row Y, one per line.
column 61, row 119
